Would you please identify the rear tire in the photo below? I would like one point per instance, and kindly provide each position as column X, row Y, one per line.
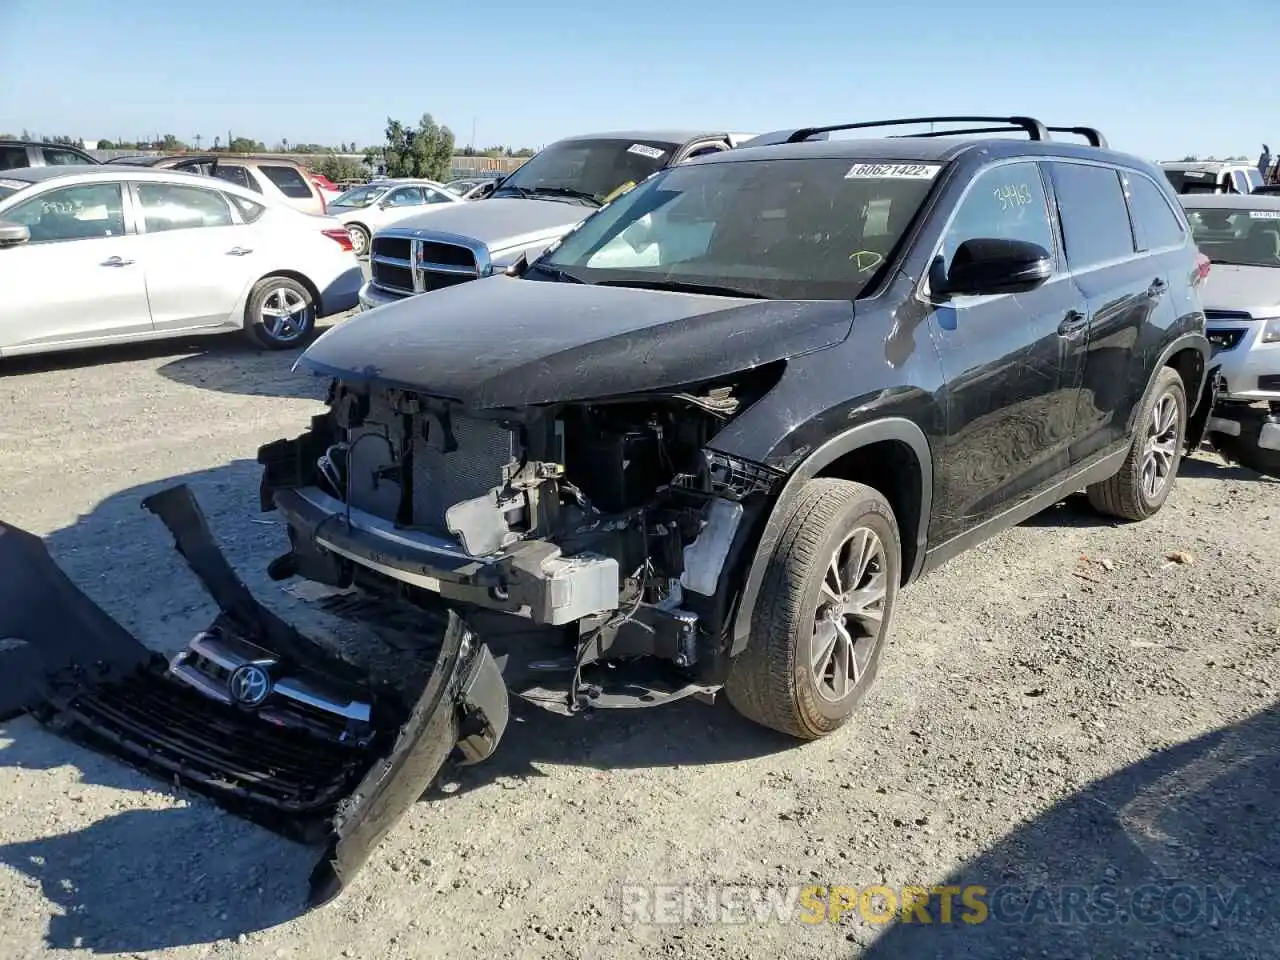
column 360, row 239
column 280, row 313
column 1244, row 449
column 824, row 611
column 1144, row 481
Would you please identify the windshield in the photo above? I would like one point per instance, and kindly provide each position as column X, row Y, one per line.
column 360, row 196
column 9, row 187
column 594, row 168
column 786, row 229
column 1249, row 238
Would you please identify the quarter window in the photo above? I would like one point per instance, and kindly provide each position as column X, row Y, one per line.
column 249, row 210
column 167, row 206
column 1154, row 222
column 1006, row 203
column 435, row 196
column 85, row 212
column 1095, row 218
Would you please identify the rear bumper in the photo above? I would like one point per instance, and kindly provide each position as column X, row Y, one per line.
column 79, row 671
column 342, row 293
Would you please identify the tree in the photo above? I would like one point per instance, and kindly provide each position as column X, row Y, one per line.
column 217, row 143
column 424, row 152
column 171, row 144
column 102, row 144
column 246, row 145
column 197, row 138
column 338, row 168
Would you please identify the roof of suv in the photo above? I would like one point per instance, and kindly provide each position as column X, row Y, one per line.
column 664, row 136
column 1230, row 201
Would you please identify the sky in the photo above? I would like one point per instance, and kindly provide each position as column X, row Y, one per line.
column 1161, row 80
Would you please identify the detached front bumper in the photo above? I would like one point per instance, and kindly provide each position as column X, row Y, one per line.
column 81, row 673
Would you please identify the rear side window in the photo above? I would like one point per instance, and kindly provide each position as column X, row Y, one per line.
column 12, row 157
column 233, row 174
column 288, row 180
column 1095, row 217
column 249, row 211
column 54, row 157
column 1154, row 222
column 167, row 206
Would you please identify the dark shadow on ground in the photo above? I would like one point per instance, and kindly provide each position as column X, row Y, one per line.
column 147, row 879
column 1074, row 511
column 214, row 344
column 247, row 371
column 1207, row 466
column 1177, row 855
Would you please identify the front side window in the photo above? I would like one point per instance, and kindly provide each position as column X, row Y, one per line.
column 85, row 212
column 1247, row 238
column 359, row 197
column 785, row 229
column 1095, row 217
column 589, row 170
column 1004, row 203
column 287, row 180
column 167, row 206
column 405, row 197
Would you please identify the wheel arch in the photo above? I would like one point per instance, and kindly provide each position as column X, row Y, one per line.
column 1189, row 356
column 891, row 452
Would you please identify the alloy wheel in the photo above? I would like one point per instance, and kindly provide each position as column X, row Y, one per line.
column 1161, row 451
column 285, row 314
column 850, row 614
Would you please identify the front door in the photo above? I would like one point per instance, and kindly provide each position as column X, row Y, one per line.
column 79, row 278
column 1010, row 409
column 199, row 260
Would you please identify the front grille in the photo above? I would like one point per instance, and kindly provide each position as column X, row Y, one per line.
column 1225, row 339
column 407, row 265
column 1229, row 315
column 442, row 479
column 445, row 265
column 230, row 754
column 390, row 263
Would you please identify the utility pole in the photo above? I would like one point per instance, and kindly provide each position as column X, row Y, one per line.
column 473, row 134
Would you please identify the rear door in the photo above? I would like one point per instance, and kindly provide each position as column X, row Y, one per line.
column 1010, row 411
column 1126, row 295
column 199, row 258
column 79, row 278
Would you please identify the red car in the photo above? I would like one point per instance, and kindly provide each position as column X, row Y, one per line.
column 323, row 182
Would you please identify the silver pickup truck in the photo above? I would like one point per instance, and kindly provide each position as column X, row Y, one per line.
column 530, row 210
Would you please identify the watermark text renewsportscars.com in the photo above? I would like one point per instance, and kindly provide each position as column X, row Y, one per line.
column 942, row 904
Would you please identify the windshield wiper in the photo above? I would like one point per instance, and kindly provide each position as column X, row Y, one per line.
column 518, row 191
column 568, row 192
column 676, row 286
column 555, row 273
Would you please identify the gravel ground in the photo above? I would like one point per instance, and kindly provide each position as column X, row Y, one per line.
column 1062, row 706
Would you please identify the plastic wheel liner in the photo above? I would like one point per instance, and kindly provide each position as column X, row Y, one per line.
column 63, row 659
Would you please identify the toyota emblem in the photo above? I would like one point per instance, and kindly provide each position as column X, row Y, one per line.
column 249, row 685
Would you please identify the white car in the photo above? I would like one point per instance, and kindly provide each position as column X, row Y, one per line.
column 113, row 254
column 378, row 204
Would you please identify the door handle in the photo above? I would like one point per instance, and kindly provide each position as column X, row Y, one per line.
column 1157, row 289
column 115, row 262
column 239, row 251
column 1072, row 323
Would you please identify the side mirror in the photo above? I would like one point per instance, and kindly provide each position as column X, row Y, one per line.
column 989, row 266
column 383, row 204
column 13, row 234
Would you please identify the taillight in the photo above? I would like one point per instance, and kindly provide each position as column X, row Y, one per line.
column 341, row 237
column 1202, row 269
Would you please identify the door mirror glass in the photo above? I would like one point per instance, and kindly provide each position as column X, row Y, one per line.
column 991, row 265
column 12, row 234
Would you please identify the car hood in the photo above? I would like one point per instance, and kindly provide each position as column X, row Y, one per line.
column 507, row 342
column 1254, row 290
column 500, row 223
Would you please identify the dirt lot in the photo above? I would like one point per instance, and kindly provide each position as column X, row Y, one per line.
column 1041, row 719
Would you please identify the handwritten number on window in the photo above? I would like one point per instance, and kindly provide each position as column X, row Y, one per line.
column 1012, row 196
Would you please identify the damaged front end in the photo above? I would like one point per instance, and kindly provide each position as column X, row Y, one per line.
column 292, row 737
column 605, row 527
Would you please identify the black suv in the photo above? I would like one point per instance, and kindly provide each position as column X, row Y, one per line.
column 700, row 444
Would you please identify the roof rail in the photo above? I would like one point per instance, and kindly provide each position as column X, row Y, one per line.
column 1091, row 134
column 776, row 137
column 1034, row 129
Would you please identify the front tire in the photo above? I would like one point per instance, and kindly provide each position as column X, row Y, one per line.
column 1144, row 481
column 824, row 611
column 280, row 313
